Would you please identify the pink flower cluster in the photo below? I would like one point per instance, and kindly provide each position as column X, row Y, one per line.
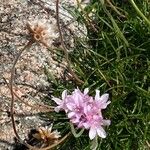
column 84, row 111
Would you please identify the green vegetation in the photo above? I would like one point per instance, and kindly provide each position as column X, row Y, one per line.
column 114, row 58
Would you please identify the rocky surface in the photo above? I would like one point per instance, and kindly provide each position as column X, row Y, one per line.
column 31, row 83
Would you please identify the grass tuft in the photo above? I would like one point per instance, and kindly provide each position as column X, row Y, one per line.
column 115, row 58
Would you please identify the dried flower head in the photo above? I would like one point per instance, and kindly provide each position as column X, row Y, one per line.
column 42, row 32
column 85, row 111
column 46, row 135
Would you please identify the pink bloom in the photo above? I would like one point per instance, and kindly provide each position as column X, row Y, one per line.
column 85, row 111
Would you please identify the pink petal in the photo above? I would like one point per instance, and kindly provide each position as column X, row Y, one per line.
column 91, row 99
column 92, row 133
column 76, row 91
column 70, row 106
column 86, row 125
column 75, row 120
column 57, row 100
column 103, row 101
column 71, row 114
column 64, row 94
column 86, row 90
column 77, row 101
column 97, row 96
column 101, row 132
column 57, row 109
column 104, row 97
column 96, row 117
column 104, row 105
column 85, row 110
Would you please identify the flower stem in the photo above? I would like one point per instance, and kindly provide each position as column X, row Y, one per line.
column 74, row 132
column 11, row 88
column 64, row 47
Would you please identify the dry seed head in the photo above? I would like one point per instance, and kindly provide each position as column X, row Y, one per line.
column 42, row 32
column 45, row 134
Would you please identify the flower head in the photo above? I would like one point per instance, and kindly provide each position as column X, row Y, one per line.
column 85, row 111
column 46, row 135
column 42, row 32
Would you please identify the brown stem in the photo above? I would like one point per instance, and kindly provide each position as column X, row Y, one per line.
column 11, row 88
column 29, row 44
column 64, row 47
